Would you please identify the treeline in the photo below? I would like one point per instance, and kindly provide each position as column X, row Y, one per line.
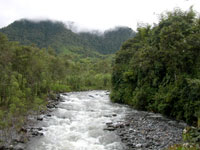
column 56, row 35
column 159, row 69
column 108, row 42
column 29, row 75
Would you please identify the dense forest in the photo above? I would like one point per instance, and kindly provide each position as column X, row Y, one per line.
column 56, row 35
column 159, row 69
column 156, row 69
column 39, row 59
column 30, row 75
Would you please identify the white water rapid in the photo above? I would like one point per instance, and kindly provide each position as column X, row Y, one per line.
column 78, row 124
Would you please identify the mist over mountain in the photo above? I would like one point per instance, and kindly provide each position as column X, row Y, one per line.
column 64, row 38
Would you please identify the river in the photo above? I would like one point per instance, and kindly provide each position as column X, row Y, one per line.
column 79, row 122
column 90, row 121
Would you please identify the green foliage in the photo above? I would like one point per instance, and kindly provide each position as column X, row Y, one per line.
column 158, row 70
column 59, row 87
column 29, row 74
column 185, row 146
column 47, row 34
column 191, row 137
column 110, row 41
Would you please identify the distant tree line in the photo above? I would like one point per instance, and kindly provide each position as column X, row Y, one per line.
column 56, row 35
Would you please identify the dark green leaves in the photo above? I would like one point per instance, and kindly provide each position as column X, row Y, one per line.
column 159, row 68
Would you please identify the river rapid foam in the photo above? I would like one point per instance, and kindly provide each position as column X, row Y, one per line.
column 79, row 122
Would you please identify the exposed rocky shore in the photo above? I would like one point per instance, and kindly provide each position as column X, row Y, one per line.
column 138, row 131
column 143, row 130
column 30, row 130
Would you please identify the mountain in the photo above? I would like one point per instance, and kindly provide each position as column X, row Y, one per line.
column 48, row 33
column 110, row 41
column 43, row 34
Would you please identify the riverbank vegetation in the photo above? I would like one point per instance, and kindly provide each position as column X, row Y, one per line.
column 41, row 58
column 159, row 71
column 28, row 75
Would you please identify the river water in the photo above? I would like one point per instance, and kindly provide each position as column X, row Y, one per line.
column 79, row 122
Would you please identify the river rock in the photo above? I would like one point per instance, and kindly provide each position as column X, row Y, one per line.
column 36, row 133
column 48, row 115
column 91, row 96
column 2, row 147
column 61, row 100
column 138, row 145
column 65, row 94
column 19, row 147
column 24, row 130
column 19, row 140
column 148, row 131
column 110, row 128
column 39, row 118
column 137, row 130
column 114, row 115
column 182, row 124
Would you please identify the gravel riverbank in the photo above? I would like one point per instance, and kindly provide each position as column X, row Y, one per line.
column 138, row 130
column 144, row 131
column 30, row 129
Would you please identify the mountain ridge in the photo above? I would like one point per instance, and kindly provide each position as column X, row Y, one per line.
column 55, row 34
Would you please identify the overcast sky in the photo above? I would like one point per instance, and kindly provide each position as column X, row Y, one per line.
column 92, row 14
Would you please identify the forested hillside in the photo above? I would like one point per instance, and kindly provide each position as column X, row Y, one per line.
column 110, row 41
column 30, row 75
column 159, row 69
column 156, row 69
column 56, row 35
column 39, row 59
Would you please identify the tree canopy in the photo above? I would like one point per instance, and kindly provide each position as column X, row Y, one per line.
column 158, row 70
column 47, row 33
column 29, row 76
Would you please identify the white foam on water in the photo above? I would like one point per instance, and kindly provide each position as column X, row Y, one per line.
column 78, row 124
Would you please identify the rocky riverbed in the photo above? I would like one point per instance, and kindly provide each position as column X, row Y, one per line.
column 30, row 129
column 143, row 131
column 88, row 120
